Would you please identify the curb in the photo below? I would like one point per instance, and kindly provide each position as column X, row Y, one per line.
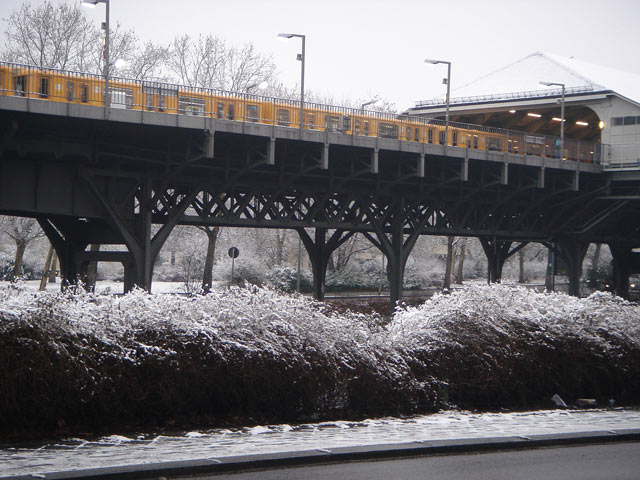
column 212, row 466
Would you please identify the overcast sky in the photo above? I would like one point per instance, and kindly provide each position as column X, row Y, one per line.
column 359, row 48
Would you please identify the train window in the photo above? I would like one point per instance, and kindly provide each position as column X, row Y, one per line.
column 357, row 122
column 366, row 127
column 284, row 116
column 20, row 85
column 252, row 113
column 121, row 97
column 475, row 141
column 430, row 136
column 455, row 139
column 149, row 101
column 84, row 93
column 161, row 103
column 311, row 119
column 346, row 123
column 416, row 136
column 494, row 144
column 408, row 133
column 70, row 92
column 333, row 123
column 388, row 130
column 231, row 111
column 44, row 87
column 441, row 137
column 190, row 105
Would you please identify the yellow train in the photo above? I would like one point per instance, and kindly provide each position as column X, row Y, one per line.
column 88, row 89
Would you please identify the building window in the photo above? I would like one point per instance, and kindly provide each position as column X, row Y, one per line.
column 629, row 120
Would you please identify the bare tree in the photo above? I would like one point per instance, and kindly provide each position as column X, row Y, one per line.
column 22, row 231
column 147, row 64
column 212, row 237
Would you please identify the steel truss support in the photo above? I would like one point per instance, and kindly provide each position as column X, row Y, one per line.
column 573, row 252
column 497, row 252
column 406, row 223
column 143, row 248
column 320, row 250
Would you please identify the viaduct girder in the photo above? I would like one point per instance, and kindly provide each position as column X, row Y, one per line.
column 91, row 181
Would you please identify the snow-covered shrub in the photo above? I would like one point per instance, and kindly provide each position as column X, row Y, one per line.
column 286, row 279
column 503, row 345
column 86, row 360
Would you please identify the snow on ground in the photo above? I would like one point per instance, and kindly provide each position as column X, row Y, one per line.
column 78, row 453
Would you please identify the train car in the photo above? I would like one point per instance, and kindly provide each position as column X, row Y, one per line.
column 87, row 89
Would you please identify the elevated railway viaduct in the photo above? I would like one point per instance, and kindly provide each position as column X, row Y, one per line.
column 126, row 177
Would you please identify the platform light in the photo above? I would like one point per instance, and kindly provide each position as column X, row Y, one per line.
column 512, row 111
column 558, row 119
column 601, row 124
column 536, row 115
column 302, row 58
column 582, row 124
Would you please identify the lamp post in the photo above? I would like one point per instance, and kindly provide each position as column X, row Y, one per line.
column 260, row 86
column 554, row 84
column 370, row 102
column 92, row 4
column 301, row 57
column 448, row 80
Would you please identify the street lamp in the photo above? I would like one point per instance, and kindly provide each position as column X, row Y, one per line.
column 554, row 84
column 92, row 4
column 260, row 86
column 448, row 81
column 370, row 102
column 301, row 57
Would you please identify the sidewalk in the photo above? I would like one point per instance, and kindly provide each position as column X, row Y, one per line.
column 274, row 461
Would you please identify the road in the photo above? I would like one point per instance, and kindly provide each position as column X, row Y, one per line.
column 619, row 461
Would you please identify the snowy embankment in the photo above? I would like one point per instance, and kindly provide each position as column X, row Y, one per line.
column 86, row 363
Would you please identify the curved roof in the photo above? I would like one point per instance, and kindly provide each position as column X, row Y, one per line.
column 521, row 79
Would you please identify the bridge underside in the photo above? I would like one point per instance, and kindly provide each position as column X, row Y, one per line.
column 113, row 183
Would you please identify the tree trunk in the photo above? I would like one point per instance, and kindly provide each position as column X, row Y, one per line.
column 596, row 258
column 92, row 270
column 47, row 268
column 521, row 276
column 17, row 262
column 460, row 273
column 449, row 267
column 207, row 276
column 53, row 268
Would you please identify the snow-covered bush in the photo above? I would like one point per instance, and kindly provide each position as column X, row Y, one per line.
column 503, row 345
column 86, row 360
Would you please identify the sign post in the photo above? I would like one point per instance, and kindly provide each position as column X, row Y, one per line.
column 233, row 253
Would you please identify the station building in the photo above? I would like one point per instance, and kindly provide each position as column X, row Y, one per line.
column 602, row 105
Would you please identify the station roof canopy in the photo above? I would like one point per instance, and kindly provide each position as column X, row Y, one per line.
column 521, row 80
column 503, row 98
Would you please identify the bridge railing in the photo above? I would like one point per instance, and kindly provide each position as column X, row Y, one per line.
column 170, row 98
